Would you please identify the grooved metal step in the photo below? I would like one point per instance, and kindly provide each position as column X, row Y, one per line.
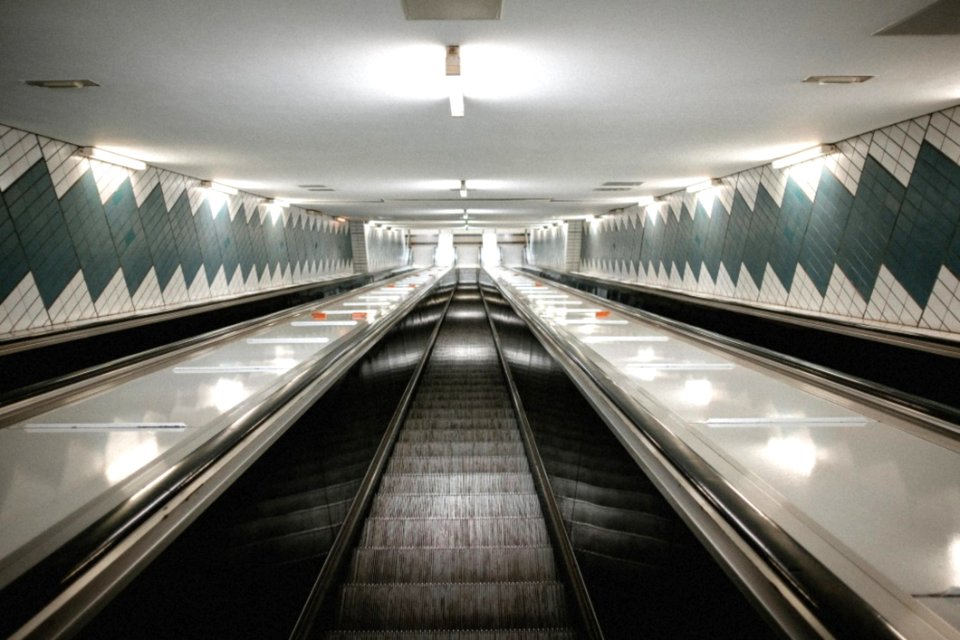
column 455, row 544
column 478, row 605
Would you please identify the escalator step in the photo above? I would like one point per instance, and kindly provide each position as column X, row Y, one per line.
column 458, row 449
column 489, row 506
column 454, row 532
column 476, row 605
column 459, row 435
column 521, row 564
column 458, row 634
column 459, row 464
column 457, row 483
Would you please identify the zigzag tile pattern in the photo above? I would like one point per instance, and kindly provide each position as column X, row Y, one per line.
column 871, row 234
column 82, row 240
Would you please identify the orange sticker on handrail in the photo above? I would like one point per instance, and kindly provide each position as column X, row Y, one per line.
column 318, row 315
column 603, row 314
column 359, row 315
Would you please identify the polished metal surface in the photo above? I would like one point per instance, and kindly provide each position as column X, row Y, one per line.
column 243, row 569
column 853, row 500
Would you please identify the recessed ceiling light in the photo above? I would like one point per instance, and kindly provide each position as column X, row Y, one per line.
column 837, row 79
column 93, row 153
column 216, row 186
column 703, row 186
column 803, row 156
column 62, row 84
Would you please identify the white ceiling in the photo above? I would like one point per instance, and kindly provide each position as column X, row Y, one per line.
column 561, row 96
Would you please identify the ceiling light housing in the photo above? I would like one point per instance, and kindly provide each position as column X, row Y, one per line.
column 803, row 156
column 454, row 81
column 822, row 80
column 62, row 84
column 216, row 186
column 93, row 153
column 463, row 189
column 713, row 183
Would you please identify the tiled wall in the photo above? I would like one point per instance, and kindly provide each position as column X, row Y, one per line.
column 377, row 248
column 548, row 246
column 869, row 235
column 82, row 241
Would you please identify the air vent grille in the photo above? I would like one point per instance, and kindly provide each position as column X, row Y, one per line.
column 452, row 9
column 62, row 84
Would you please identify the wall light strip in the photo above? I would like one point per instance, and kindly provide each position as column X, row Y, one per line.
column 703, row 186
column 93, row 153
column 454, row 81
column 216, row 186
column 807, row 154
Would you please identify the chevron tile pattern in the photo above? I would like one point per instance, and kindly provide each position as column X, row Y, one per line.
column 870, row 234
column 82, row 241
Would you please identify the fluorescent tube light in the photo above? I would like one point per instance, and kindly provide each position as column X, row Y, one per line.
column 802, row 156
column 454, row 82
column 93, row 153
column 703, row 186
column 216, row 186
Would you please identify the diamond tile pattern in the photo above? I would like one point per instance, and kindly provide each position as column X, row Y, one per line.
column 870, row 234
column 83, row 240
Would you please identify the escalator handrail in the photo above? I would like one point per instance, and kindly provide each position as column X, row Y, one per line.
column 70, row 387
column 834, row 602
column 922, row 412
column 334, row 565
column 587, row 615
column 69, row 561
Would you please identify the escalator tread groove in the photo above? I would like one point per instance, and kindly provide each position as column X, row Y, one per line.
column 455, row 544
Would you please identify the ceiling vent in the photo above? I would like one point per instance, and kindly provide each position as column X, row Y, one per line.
column 941, row 18
column 614, row 189
column 621, row 184
column 452, row 9
column 62, row 84
column 837, row 79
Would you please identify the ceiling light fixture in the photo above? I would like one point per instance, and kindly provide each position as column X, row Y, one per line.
column 216, row 186
column 62, row 84
column 454, row 82
column 703, row 186
column 273, row 202
column 822, row 80
column 93, row 153
column 802, row 156
column 463, row 188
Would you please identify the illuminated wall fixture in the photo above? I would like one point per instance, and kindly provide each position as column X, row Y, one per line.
column 275, row 207
column 93, row 153
column 703, row 186
column 454, row 82
column 340, row 219
column 216, row 186
column 807, row 154
column 463, row 188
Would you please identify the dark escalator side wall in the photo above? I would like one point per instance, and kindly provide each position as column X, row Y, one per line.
column 244, row 568
column 647, row 574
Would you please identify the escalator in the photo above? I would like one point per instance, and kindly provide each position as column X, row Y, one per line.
column 411, row 501
column 455, row 538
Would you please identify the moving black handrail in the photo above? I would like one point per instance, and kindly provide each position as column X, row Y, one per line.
column 57, row 571
column 589, row 626
column 833, row 602
column 924, row 412
column 876, row 334
column 335, row 564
